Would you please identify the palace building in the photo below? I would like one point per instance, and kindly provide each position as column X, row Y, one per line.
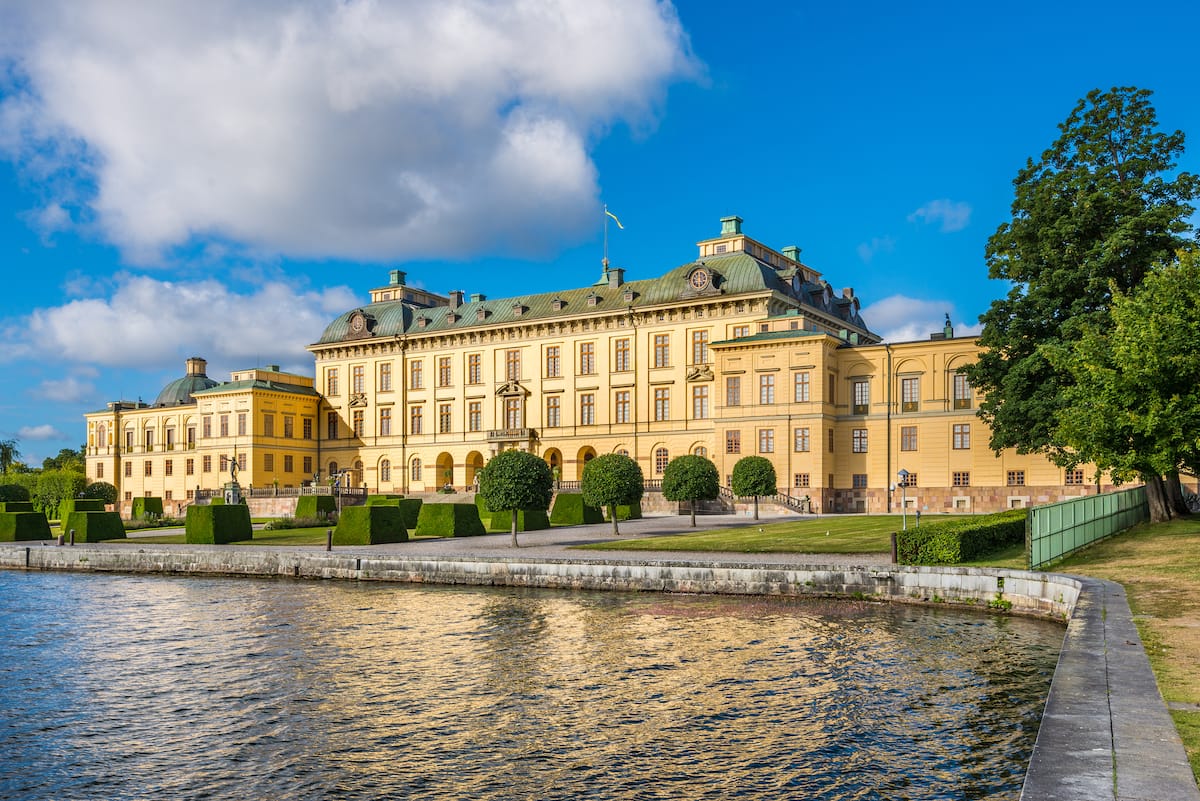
column 745, row 350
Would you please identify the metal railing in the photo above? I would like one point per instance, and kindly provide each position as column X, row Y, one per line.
column 1055, row 530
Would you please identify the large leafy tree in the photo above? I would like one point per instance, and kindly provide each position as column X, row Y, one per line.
column 516, row 480
column 9, row 453
column 690, row 478
column 1134, row 407
column 753, row 475
column 1090, row 217
column 67, row 459
column 612, row 480
column 56, row 486
column 101, row 490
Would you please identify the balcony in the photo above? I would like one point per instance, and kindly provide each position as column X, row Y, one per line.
column 511, row 435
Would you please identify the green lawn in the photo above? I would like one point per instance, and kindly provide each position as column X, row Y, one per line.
column 287, row 536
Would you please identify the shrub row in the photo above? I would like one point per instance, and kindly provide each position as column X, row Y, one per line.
column 369, row 525
column 570, row 510
column 93, row 526
column 213, row 525
column 449, row 520
column 315, row 506
column 146, row 507
column 961, row 540
column 16, row 526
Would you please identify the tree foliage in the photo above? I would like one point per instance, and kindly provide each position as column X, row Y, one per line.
column 67, row 459
column 690, row 478
column 1134, row 407
column 612, row 480
column 12, row 492
column 753, row 476
column 9, row 453
column 56, row 486
column 1090, row 217
column 515, row 480
column 101, row 490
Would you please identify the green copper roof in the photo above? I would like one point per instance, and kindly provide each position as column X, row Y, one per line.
column 739, row 274
column 180, row 391
column 241, row 386
column 769, row 335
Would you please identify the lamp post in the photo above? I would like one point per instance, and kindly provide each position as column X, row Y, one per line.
column 903, row 476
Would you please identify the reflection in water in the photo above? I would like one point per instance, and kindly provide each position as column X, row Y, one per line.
column 136, row 687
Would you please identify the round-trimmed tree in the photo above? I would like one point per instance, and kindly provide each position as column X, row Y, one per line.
column 690, row 478
column 516, row 480
column 753, row 476
column 101, row 490
column 612, row 480
column 13, row 492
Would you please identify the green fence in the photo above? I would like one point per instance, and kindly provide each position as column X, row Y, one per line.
column 1057, row 529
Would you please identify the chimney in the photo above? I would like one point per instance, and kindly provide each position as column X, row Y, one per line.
column 731, row 225
column 792, row 252
column 947, row 329
column 616, row 276
column 477, row 297
column 397, row 277
column 196, row 366
column 456, row 298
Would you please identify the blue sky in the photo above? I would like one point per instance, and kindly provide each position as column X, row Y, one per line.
column 221, row 180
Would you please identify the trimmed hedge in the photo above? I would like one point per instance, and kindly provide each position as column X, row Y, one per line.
column 410, row 511
column 15, row 526
column 94, row 526
column 214, row 525
column 16, row 506
column 315, row 506
column 630, row 512
column 449, row 520
column 570, row 510
column 527, row 520
column 14, row 492
column 961, row 540
column 369, row 525
column 146, row 506
column 79, row 505
column 383, row 500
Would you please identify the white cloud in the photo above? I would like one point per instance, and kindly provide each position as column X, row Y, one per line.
column 867, row 250
column 151, row 323
column 45, row 431
column 953, row 215
column 66, row 390
column 355, row 129
column 899, row 318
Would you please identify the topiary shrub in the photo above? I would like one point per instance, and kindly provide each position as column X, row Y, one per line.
column 612, row 481
column 79, row 505
column 16, row 506
column 410, row 511
column 94, row 526
column 449, row 520
column 369, row 525
column 631, row 511
column 315, row 506
column 101, row 490
column 16, row 526
column 527, row 520
column 383, row 500
column 570, row 510
column 214, row 525
column 14, row 492
column 963, row 540
column 146, row 507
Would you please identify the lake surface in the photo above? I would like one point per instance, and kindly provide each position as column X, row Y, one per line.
column 133, row 687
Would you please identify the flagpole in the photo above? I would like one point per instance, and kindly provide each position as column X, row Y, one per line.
column 605, row 261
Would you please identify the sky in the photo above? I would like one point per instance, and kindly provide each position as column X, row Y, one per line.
column 222, row 179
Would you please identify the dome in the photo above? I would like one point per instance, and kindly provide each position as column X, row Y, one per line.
column 179, row 392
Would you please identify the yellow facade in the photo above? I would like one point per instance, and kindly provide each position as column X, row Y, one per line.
column 744, row 351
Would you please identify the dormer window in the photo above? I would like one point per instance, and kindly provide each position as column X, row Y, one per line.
column 481, row 314
column 519, row 309
column 557, row 304
column 593, row 299
column 452, row 317
column 629, row 296
column 422, row 322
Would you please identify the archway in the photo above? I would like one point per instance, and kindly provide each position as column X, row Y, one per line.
column 586, row 454
column 385, row 475
column 356, row 478
column 473, row 465
column 553, row 457
column 445, row 470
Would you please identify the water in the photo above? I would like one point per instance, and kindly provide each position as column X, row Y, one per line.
column 125, row 687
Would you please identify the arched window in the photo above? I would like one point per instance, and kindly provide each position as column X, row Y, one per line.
column 102, row 436
column 701, row 451
column 415, row 471
column 661, row 457
column 385, row 470
column 333, row 468
column 623, row 451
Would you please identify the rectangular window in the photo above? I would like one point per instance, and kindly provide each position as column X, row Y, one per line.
column 832, row 390
column 766, row 389
column 910, row 394
column 699, row 347
column 100, row 470
column 662, row 350
column 587, row 409
column 445, row 418
column 553, row 361
column 445, row 377
column 167, row 495
column 801, row 481
column 169, row 467
column 962, row 479
column 416, row 375
column 662, row 403
column 587, row 358
column 859, row 481
column 909, row 480
column 308, row 463
column 858, row 440
column 128, row 441
column 268, row 425
column 191, row 438
column 416, row 419
column 862, row 397
column 962, row 392
column 331, row 425
column 385, row 421
column 474, row 368
column 307, row 425
column 700, row 402
column 800, row 440
column 475, row 416
column 289, row 426
column 733, row 441
column 288, row 464
column 147, row 468
column 331, row 382
column 224, row 463
column 1073, row 477
column 766, row 440
column 269, row 462
column 553, row 411
column 224, row 428
column 206, row 464
column 962, row 436
column 622, row 362
column 149, row 440
column 358, row 379
column 621, row 406
column 512, row 365
column 908, row 438
column 206, row 427
column 733, row 391
column 512, row 413
column 189, row 467
column 800, row 387
column 1016, row 478
column 830, row 432
column 241, row 460
column 128, row 469
column 359, row 425
column 741, row 331
column 241, row 421
column 385, row 377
